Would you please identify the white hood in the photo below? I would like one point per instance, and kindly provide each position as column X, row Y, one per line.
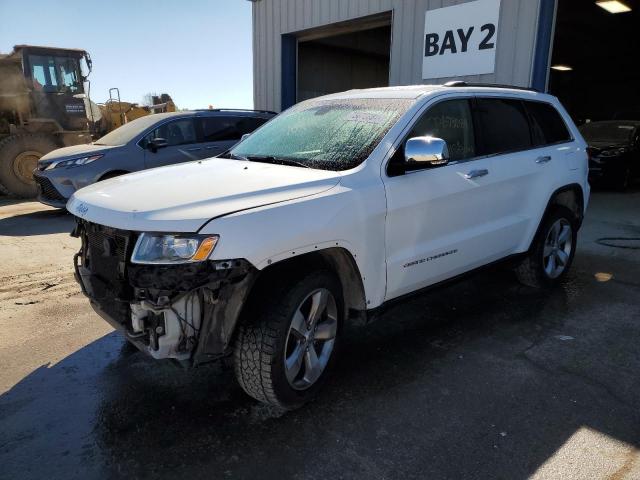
column 181, row 198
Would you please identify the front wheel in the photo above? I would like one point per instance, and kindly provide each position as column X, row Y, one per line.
column 551, row 254
column 623, row 179
column 283, row 353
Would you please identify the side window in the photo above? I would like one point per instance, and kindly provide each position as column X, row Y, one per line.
column 451, row 121
column 249, row 124
column 178, row 132
column 546, row 124
column 504, row 125
column 218, row 128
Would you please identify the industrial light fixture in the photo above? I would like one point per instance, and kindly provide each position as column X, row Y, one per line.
column 614, row 6
column 562, row 68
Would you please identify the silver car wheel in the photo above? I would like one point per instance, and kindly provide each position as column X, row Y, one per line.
column 557, row 248
column 311, row 338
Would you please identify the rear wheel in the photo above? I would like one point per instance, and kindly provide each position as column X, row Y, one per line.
column 19, row 155
column 552, row 252
column 282, row 354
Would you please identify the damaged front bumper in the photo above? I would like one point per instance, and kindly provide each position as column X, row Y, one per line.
column 186, row 312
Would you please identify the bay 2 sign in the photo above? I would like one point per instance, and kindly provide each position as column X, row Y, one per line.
column 461, row 39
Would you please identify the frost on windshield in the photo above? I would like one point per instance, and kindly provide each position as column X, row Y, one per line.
column 325, row 134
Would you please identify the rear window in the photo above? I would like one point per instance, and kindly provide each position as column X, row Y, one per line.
column 504, row 125
column 546, row 124
column 221, row 128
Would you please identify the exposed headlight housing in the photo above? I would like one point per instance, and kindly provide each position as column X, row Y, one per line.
column 74, row 162
column 613, row 152
column 168, row 249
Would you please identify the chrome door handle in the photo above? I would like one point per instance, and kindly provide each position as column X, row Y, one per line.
column 476, row 173
column 544, row 159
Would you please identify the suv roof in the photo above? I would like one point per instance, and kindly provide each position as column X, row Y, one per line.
column 415, row 91
column 235, row 110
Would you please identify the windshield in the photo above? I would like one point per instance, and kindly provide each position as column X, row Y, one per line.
column 613, row 132
column 127, row 132
column 324, row 134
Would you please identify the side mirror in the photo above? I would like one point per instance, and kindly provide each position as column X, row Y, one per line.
column 425, row 152
column 244, row 137
column 157, row 143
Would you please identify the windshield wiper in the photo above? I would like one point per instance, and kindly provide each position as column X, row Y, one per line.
column 276, row 160
column 232, row 156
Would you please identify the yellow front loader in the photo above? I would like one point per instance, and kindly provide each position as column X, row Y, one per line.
column 115, row 112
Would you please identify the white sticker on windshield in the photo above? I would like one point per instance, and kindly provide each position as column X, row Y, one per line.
column 367, row 117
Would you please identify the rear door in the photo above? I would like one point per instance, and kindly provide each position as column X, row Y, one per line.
column 182, row 143
column 528, row 142
column 518, row 168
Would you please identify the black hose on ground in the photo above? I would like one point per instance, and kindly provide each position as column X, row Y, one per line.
column 608, row 242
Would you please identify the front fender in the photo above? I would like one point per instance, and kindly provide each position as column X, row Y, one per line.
column 341, row 217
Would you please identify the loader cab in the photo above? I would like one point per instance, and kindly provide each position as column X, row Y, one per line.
column 55, row 80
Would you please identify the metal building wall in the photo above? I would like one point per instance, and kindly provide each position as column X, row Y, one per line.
column 272, row 18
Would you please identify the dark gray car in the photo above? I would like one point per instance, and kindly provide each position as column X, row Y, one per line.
column 148, row 142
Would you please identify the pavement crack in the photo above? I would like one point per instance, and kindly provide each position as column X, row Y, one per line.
column 580, row 376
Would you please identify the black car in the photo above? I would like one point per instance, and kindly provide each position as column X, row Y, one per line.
column 615, row 151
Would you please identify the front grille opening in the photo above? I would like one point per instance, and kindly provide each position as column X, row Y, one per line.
column 48, row 190
column 108, row 244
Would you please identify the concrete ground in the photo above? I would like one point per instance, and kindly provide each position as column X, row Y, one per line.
column 482, row 379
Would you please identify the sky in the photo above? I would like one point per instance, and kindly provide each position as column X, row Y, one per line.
column 198, row 51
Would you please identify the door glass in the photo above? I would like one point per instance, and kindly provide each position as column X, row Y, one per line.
column 216, row 129
column 451, row 121
column 249, row 124
column 505, row 127
column 547, row 124
column 39, row 79
column 68, row 68
column 220, row 128
column 178, row 132
column 43, row 73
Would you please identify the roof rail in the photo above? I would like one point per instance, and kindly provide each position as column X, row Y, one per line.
column 233, row 110
column 462, row 83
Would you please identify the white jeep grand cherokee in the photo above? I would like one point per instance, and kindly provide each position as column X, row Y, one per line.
column 324, row 215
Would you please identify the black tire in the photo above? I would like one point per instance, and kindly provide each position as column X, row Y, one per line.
column 17, row 155
column 261, row 343
column 624, row 179
column 531, row 270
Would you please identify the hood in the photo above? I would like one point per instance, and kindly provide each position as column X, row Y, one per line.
column 75, row 151
column 182, row 198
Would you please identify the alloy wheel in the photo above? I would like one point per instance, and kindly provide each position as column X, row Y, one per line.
column 311, row 339
column 557, row 248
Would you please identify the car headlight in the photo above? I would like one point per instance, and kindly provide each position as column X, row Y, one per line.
column 613, row 152
column 167, row 249
column 74, row 162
